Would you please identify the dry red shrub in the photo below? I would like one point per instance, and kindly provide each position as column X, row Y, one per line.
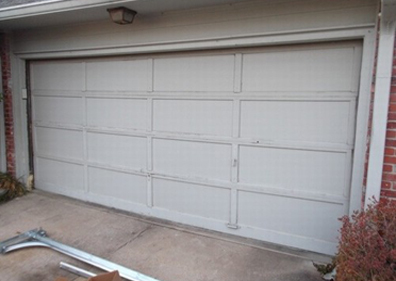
column 367, row 245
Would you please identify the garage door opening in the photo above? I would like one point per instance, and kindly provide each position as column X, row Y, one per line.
column 256, row 142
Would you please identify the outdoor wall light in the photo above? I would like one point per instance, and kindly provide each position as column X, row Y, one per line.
column 121, row 15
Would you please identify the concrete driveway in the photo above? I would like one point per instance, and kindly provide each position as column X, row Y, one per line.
column 166, row 251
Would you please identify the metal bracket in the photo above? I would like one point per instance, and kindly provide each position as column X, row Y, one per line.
column 232, row 226
column 38, row 238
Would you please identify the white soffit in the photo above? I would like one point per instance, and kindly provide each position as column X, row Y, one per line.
column 58, row 12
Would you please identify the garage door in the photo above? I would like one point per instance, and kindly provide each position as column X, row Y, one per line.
column 254, row 142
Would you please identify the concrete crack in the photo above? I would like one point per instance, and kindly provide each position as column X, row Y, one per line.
column 137, row 235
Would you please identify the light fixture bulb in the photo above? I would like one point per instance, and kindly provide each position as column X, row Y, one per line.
column 121, row 15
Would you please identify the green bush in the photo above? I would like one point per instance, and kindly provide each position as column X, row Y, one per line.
column 367, row 245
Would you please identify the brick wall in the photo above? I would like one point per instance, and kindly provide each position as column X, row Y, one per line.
column 388, row 187
column 7, row 100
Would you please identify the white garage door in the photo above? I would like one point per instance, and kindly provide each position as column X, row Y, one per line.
column 255, row 142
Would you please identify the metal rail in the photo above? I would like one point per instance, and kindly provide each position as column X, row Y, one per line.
column 76, row 270
column 38, row 238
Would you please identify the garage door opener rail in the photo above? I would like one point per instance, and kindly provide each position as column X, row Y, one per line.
column 39, row 238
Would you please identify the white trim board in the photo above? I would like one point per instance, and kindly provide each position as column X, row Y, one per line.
column 381, row 100
column 250, row 40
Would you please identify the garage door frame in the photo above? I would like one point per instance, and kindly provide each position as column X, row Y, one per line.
column 308, row 37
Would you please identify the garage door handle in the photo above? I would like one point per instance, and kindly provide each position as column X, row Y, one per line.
column 234, row 163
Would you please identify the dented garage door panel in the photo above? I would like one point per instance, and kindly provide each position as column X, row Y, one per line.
column 260, row 139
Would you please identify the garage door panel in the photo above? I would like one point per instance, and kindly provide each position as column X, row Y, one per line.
column 58, row 76
column 300, row 217
column 192, row 159
column 206, row 117
column 122, row 151
column 260, row 139
column 313, row 121
column 117, row 113
column 200, row 73
column 66, row 144
column 62, row 175
column 67, row 111
column 300, row 70
column 193, row 199
column 297, row 170
column 113, row 184
column 117, row 76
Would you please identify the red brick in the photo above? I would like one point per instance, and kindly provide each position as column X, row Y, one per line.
column 387, row 168
column 392, row 107
column 390, row 134
column 392, row 116
column 386, row 185
column 386, row 200
column 389, row 177
column 388, row 193
column 391, row 125
column 389, row 151
column 391, row 143
column 390, row 160
column 7, row 92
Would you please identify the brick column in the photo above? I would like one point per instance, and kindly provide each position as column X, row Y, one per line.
column 7, row 100
column 388, row 186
